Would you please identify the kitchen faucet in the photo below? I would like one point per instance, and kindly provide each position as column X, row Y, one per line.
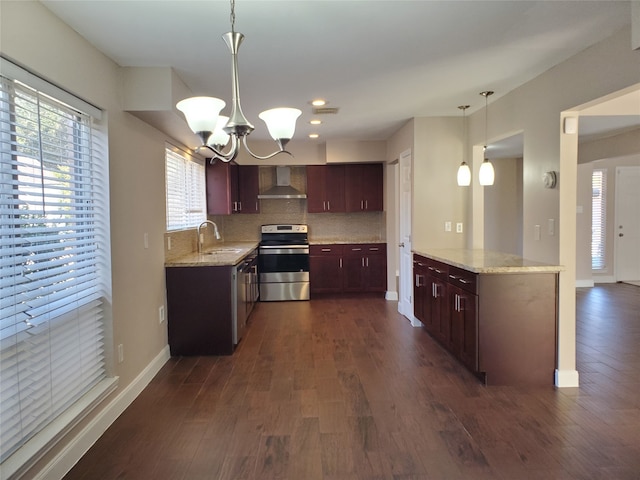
column 200, row 236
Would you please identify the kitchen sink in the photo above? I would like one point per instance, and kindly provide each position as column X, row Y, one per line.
column 221, row 251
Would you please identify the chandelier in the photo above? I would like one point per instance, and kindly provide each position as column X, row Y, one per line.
column 214, row 130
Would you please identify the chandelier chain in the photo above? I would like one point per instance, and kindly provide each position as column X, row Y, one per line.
column 232, row 16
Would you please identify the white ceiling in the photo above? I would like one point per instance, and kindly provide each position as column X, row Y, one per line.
column 380, row 62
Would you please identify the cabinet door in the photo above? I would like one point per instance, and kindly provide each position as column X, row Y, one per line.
column 325, row 268
column 463, row 308
column 363, row 187
column 248, row 180
column 375, row 275
column 325, row 188
column 219, row 188
column 419, row 288
column 354, row 266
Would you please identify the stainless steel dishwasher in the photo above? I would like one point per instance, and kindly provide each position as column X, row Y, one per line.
column 239, row 317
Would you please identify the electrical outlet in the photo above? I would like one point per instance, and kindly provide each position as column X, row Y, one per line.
column 161, row 314
column 447, row 226
column 120, row 353
column 459, row 227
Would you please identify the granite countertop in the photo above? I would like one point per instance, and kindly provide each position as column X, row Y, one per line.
column 334, row 241
column 486, row 261
column 220, row 255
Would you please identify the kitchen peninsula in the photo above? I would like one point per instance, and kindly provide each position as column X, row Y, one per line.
column 495, row 312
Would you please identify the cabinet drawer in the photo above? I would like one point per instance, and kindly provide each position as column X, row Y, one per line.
column 365, row 249
column 437, row 269
column 326, row 249
column 464, row 279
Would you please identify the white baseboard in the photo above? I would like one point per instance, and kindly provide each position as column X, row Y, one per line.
column 391, row 296
column 59, row 466
column 604, row 279
column 567, row 378
column 415, row 322
column 584, row 283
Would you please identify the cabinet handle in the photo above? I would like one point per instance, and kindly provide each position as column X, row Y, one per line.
column 375, row 249
column 340, row 262
column 453, row 277
column 418, row 277
column 431, row 268
column 456, row 307
column 462, row 280
column 366, row 204
column 328, row 205
column 361, row 204
column 363, row 262
column 437, row 271
column 325, row 249
column 356, row 249
column 367, row 262
column 460, row 303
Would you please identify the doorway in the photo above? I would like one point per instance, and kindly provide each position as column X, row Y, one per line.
column 405, row 188
column 627, row 225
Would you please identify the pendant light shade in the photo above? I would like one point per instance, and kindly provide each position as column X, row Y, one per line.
column 464, row 172
column 464, row 175
column 487, row 174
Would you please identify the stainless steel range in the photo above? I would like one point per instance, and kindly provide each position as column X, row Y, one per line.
column 283, row 263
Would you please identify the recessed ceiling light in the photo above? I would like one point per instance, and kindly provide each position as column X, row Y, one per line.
column 315, row 121
column 313, row 135
column 318, row 102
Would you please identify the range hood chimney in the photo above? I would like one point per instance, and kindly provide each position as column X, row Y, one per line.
column 282, row 188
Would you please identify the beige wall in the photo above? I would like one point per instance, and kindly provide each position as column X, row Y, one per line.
column 503, row 208
column 136, row 157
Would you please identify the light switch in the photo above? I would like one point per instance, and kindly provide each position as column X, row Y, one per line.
column 459, row 227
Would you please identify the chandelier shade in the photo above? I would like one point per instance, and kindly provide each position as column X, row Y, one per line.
column 281, row 122
column 219, row 138
column 201, row 114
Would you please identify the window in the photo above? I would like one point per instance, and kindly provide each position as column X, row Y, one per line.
column 54, row 265
column 186, row 195
column 598, row 219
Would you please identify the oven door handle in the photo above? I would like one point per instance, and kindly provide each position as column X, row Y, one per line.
column 288, row 250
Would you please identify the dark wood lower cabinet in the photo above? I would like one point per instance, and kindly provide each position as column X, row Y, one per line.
column 501, row 326
column 199, row 310
column 348, row 268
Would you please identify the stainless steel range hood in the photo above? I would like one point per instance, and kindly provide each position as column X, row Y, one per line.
column 282, row 188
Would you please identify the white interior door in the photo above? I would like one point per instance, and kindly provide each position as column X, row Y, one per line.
column 405, row 180
column 627, row 226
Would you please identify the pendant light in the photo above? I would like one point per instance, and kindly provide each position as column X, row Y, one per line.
column 464, row 172
column 486, row 174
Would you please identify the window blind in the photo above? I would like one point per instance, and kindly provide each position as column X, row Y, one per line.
column 53, row 261
column 185, row 191
column 598, row 219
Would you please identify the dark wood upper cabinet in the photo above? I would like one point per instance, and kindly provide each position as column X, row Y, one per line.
column 325, row 188
column 232, row 188
column 363, row 187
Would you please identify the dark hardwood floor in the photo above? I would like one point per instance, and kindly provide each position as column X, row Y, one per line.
column 347, row 389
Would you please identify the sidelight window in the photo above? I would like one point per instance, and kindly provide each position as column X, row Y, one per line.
column 598, row 219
